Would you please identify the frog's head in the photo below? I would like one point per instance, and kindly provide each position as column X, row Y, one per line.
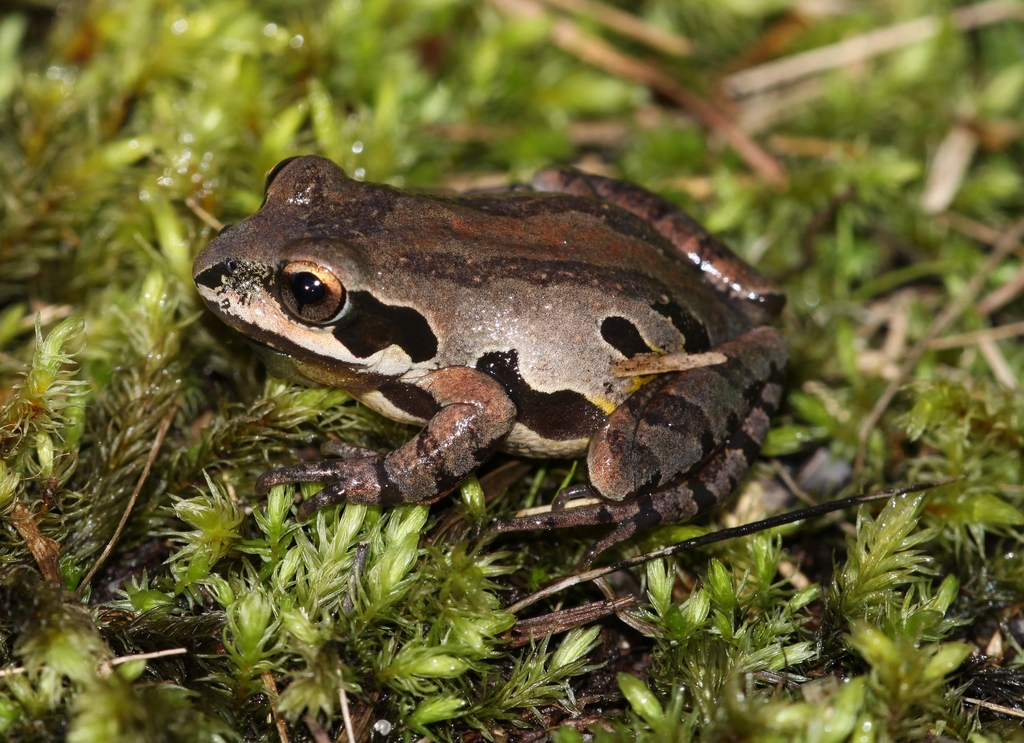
column 288, row 278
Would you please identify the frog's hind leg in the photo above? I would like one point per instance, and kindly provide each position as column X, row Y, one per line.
column 739, row 284
column 683, row 442
column 702, row 490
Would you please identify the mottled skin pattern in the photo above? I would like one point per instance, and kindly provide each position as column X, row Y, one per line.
column 493, row 320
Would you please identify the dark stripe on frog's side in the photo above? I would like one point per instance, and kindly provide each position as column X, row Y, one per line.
column 559, row 416
column 759, row 299
column 623, row 336
column 410, row 399
column 524, row 205
column 695, row 335
column 534, row 271
column 373, row 326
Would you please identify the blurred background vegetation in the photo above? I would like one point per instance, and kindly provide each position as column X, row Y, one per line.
column 866, row 154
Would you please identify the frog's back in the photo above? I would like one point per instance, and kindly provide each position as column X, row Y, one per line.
column 543, row 292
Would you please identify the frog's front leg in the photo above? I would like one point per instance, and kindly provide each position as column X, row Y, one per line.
column 474, row 415
column 679, row 445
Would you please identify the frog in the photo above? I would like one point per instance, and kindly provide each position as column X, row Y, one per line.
column 493, row 320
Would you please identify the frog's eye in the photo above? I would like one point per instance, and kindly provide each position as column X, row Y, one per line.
column 311, row 292
column 274, row 172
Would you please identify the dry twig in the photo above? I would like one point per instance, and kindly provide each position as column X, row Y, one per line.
column 627, row 25
column 865, row 46
column 997, row 363
column 530, row 630
column 165, row 424
column 45, row 551
column 346, row 716
column 993, row 707
column 279, row 722
column 193, row 203
column 1010, row 330
column 1001, row 295
column 1006, row 244
column 948, row 167
column 718, row 536
column 599, row 53
column 316, row 729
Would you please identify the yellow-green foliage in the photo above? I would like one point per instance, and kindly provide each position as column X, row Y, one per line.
column 125, row 123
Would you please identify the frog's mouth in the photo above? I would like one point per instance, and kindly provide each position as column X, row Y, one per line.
column 278, row 364
column 353, row 377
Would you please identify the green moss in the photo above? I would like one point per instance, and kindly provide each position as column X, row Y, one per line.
column 116, row 115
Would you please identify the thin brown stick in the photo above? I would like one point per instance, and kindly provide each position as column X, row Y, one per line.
column 790, row 483
column 193, row 203
column 530, row 630
column 316, row 729
column 1006, row 245
column 975, row 230
column 1002, row 295
column 997, row 363
column 718, row 536
column 644, row 628
column 627, row 25
column 346, row 716
column 148, row 656
column 165, row 424
column 107, row 667
column 998, row 333
column 121, row 659
column 992, row 706
column 864, row 46
column 599, row 53
column 279, row 722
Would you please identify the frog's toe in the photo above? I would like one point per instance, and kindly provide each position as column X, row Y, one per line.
column 328, row 471
column 331, row 495
column 571, row 493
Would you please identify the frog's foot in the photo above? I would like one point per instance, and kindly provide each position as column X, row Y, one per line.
column 360, row 479
column 474, row 414
column 681, row 469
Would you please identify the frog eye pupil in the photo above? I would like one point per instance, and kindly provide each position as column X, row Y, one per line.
column 311, row 292
column 308, row 288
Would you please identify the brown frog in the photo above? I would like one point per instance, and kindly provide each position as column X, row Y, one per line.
column 502, row 321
